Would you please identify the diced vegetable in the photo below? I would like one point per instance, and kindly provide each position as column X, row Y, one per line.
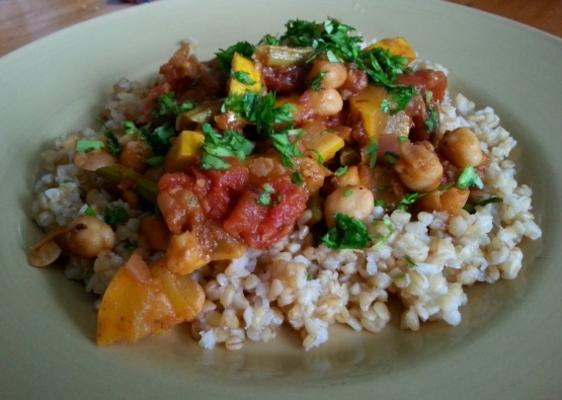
column 227, row 251
column 185, row 295
column 184, row 149
column 398, row 46
column 185, row 254
column 282, row 56
column 366, row 105
column 133, row 306
column 246, row 66
column 142, row 301
column 115, row 174
column 325, row 145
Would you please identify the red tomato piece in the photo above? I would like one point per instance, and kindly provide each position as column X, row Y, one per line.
column 262, row 225
column 217, row 190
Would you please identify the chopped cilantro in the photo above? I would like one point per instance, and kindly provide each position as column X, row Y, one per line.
column 372, row 150
column 112, row 143
column 402, row 138
column 348, row 233
column 159, row 138
column 243, row 77
column 269, row 40
column 296, row 178
column 388, row 231
column 86, row 145
column 390, row 157
column 471, row 206
column 316, row 82
column 318, row 156
column 155, row 161
column 407, row 201
column 115, row 214
column 265, row 196
column 286, row 147
column 432, row 119
column 382, row 66
column 167, row 106
column 411, row 263
column 130, row 128
column 468, row 177
column 216, row 146
column 224, row 56
column 90, row 211
column 379, row 203
column 341, row 171
column 347, row 192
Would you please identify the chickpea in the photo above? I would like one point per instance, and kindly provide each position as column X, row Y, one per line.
column 451, row 200
column 350, row 178
column 355, row 201
column 419, row 167
column 88, row 236
column 93, row 160
column 325, row 102
column 335, row 74
column 462, row 148
column 134, row 155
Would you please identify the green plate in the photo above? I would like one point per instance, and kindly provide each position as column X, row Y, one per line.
column 509, row 344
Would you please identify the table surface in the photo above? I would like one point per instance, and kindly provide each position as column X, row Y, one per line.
column 22, row 21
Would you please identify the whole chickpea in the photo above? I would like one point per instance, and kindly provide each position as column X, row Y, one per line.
column 134, row 155
column 335, row 74
column 462, row 148
column 355, row 201
column 88, row 236
column 419, row 167
column 325, row 102
column 451, row 200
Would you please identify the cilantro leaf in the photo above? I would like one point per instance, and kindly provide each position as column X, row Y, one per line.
column 296, row 178
column 316, row 82
column 390, row 157
column 341, row 171
column 112, row 143
column 347, row 192
column 468, row 177
column 87, row 145
column 286, row 147
column 265, row 196
column 90, row 211
column 471, row 206
column 216, row 147
column 159, row 138
column 130, row 128
column 269, row 40
column 372, row 150
column 155, row 161
column 348, row 233
column 166, row 106
column 243, row 77
column 115, row 214
column 224, row 56
column 407, row 201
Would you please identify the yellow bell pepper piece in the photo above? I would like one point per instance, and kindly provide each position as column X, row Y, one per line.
column 397, row 46
column 325, row 145
column 246, row 66
column 367, row 105
column 185, row 147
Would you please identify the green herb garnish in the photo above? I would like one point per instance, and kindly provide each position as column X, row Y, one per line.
column 390, row 157
column 379, row 203
column 224, row 56
column 348, row 233
column 112, row 143
column 468, row 177
column 130, row 128
column 269, row 40
column 372, row 150
column 217, row 146
column 341, row 171
column 407, row 201
column 90, row 211
column 471, row 207
column 167, row 106
column 243, row 77
column 411, row 263
column 316, row 82
column 296, row 178
column 347, row 192
column 87, row 145
column 115, row 214
column 155, row 161
column 265, row 196
column 402, row 138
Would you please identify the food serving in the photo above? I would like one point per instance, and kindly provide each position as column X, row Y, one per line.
column 302, row 181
